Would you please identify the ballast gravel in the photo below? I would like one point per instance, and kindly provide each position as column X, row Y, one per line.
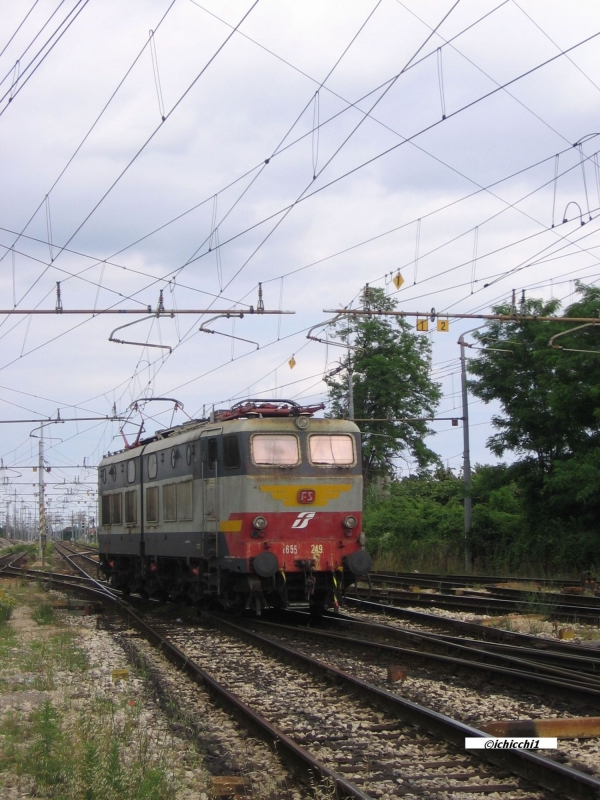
column 381, row 752
column 471, row 700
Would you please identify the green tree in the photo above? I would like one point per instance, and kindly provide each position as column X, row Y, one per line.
column 550, row 401
column 390, row 366
column 549, row 396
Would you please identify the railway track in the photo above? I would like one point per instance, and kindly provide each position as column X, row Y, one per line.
column 363, row 739
column 477, row 630
column 571, row 610
column 428, row 580
column 559, row 674
column 12, row 560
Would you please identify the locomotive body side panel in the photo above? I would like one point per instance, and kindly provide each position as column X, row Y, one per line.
column 244, row 506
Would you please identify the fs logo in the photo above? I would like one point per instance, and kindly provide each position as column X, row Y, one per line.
column 303, row 518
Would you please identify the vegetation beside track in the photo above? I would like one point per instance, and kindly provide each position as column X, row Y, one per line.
column 66, row 730
column 417, row 523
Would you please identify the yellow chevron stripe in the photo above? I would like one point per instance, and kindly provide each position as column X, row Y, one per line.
column 289, row 494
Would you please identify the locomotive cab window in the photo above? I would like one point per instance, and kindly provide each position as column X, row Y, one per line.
column 152, row 504
column 231, row 451
column 152, row 466
column 170, row 502
column 184, row 500
column 275, row 450
column 131, row 507
column 106, row 510
column 115, row 509
column 213, row 453
column 335, row 450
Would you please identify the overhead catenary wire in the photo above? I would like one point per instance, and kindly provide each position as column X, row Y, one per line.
column 94, row 124
column 154, row 56
column 20, row 25
column 155, row 131
column 306, row 196
column 35, row 38
column 21, row 83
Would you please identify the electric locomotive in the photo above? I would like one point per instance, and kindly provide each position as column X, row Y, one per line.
column 259, row 505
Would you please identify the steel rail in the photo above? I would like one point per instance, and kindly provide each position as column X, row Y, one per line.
column 11, row 559
column 558, row 598
column 484, row 604
column 563, row 681
column 472, row 628
column 572, row 783
column 295, row 754
column 432, row 579
column 579, row 656
column 551, row 775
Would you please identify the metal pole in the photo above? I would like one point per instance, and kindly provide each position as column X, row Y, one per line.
column 350, row 390
column 42, row 507
column 466, row 450
column 467, row 503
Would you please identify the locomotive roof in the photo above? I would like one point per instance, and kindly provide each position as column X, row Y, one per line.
column 191, row 432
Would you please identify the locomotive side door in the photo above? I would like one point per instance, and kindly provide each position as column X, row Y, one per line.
column 209, row 450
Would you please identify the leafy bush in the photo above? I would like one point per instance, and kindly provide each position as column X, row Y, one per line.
column 7, row 603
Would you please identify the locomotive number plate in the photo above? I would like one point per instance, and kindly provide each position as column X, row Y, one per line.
column 290, row 550
column 316, row 549
column 306, row 496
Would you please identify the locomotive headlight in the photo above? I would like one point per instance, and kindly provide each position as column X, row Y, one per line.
column 260, row 523
column 350, row 521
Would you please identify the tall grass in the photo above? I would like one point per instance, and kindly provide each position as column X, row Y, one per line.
column 7, row 604
column 78, row 756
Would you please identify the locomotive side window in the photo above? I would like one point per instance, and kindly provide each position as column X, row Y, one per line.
column 184, row 500
column 152, row 504
column 189, row 453
column 106, row 509
column 170, row 502
column 115, row 509
column 231, row 451
column 131, row 471
column 275, row 450
column 213, row 452
column 131, row 507
column 332, row 451
column 152, row 466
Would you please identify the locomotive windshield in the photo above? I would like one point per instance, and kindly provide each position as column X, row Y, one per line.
column 279, row 450
column 334, row 451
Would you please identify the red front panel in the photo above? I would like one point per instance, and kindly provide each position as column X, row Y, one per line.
column 295, row 536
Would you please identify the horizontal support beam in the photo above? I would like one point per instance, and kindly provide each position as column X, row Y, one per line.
column 433, row 315
column 49, row 421
column 148, row 310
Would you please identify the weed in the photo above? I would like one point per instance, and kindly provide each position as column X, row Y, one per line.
column 537, row 603
column 45, row 757
column 505, row 624
column 7, row 603
column 44, row 614
column 324, row 789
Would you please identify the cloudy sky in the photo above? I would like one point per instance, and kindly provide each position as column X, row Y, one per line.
column 311, row 146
